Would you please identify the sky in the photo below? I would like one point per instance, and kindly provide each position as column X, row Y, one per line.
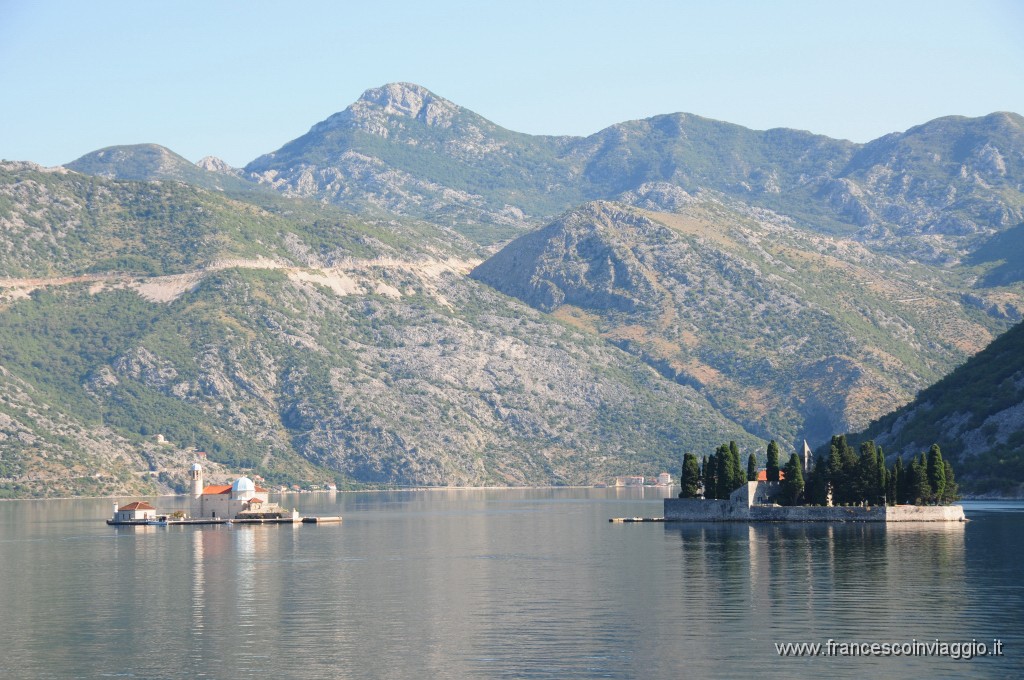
column 240, row 79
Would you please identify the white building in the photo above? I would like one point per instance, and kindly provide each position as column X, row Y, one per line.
column 139, row 511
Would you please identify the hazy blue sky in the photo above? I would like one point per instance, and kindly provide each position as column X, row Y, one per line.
column 238, row 79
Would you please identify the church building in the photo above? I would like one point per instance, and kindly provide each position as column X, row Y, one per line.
column 240, row 499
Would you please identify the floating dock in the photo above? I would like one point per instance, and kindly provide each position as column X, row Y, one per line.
column 321, row 520
column 219, row 520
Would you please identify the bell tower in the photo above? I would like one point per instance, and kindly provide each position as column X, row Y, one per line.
column 196, row 499
column 196, row 475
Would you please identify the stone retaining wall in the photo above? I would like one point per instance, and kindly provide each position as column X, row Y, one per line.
column 695, row 510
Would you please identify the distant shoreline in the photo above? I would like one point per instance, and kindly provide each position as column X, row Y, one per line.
column 429, row 488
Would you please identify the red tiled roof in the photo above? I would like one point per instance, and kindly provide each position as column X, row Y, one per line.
column 260, row 489
column 137, row 505
column 762, row 475
column 255, row 500
column 217, row 488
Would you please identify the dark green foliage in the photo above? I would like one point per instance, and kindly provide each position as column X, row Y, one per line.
column 793, row 484
column 736, row 468
column 919, row 491
column 986, row 385
column 895, row 486
column 711, row 477
column 834, row 471
column 723, row 472
column 816, row 481
column 936, row 474
column 690, row 478
column 950, row 492
column 729, row 474
column 866, row 475
column 864, row 479
column 751, row 468
column 882, row 482
column 772, row 469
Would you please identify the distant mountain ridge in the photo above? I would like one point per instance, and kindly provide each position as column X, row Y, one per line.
column 404, row 149
column 148, row 162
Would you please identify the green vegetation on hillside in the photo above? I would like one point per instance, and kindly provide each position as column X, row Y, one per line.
column 974, row 412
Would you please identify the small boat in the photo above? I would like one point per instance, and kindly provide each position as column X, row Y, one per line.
column 162, row 522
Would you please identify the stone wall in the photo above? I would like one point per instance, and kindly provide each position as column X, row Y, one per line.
column 925, row 513
column 691, row 510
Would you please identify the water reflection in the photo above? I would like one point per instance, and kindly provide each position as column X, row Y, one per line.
column 843, row 579
column 493, row 583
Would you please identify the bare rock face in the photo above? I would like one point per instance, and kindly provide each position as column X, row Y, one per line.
column 383, row 110
column 406, row 99
column 214, row 164
column 740, row 303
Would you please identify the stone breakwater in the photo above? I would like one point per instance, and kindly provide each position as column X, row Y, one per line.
column 695, row 510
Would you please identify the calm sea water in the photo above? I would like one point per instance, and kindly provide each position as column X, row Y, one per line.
column 494, row 584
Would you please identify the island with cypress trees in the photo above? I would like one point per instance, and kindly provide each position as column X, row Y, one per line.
column 846, row 484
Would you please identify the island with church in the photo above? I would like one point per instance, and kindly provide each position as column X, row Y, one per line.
column 846, row 485
column 241, row 501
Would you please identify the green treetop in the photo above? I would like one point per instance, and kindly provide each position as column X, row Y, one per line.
column 936, row 474
column 690, row 478
column 772, row 469
column 793, row 484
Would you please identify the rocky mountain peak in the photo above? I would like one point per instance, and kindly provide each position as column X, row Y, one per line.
column 406, row 100
column 214, row 164
column 378, row 109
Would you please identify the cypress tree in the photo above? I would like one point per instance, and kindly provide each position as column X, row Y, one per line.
column 906, row 480
column 690, row 479
column 847, row 484
column 710, row 477
column 867, row 473
column 738, row 478
column 772, row 468
column 816, row 483
column 920, row 490
column 895, row 481
column 951, row 492
column 751, row 468
column 793, row 484
column 936, row 473
column 723, row 471
column 882, row 484
column 834, row 472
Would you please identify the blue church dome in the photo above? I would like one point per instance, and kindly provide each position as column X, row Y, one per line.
column 243, row 488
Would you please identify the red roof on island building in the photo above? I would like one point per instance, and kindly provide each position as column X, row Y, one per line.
column 137, row 505
column 226, row 488
column 762, row 475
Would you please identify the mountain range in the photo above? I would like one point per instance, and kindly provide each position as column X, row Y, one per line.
column 409, row 293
